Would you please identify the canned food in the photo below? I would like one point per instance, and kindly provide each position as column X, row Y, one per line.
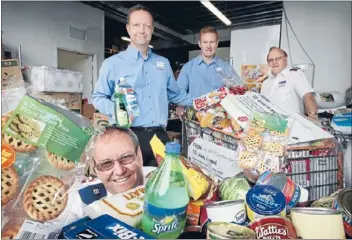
column 343, row 202
column 290, row 189
column 223, row 230
column 227, row 211
column 274, row 227
column 318, row 223
column 265, row 200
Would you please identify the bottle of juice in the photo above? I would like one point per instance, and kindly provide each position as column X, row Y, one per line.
column 121, row 115
column 166, row 197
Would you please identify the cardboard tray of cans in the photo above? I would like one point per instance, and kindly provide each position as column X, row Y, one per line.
column 318, row 168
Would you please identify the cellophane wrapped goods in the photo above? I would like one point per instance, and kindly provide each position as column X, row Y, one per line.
column 42, row 165
column 264, row 143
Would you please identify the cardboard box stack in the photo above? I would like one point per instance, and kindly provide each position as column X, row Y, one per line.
column 62, row 86
column 11, row 75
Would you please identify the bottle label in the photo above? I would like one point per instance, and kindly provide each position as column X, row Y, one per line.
column 165, row 221
column 122, row 118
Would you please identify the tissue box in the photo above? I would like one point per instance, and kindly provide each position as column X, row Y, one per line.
column 48, row 79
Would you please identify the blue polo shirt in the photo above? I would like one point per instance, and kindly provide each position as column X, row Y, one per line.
column 199, row 78
column 152, row 80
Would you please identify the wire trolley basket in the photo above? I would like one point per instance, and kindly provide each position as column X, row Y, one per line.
column 318, row 169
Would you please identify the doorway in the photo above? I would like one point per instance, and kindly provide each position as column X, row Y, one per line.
column 79, row 62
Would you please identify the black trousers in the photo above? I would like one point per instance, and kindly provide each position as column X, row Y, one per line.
column 144, row 137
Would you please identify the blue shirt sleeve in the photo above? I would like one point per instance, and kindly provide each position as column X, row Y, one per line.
column 183, row 79
column 104, row 88
column 175, row 93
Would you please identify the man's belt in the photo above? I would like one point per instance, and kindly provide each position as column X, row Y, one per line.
column 148, row 128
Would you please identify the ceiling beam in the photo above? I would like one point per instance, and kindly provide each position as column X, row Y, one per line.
column 119, row 13
column 234, row 12
column 255, row 16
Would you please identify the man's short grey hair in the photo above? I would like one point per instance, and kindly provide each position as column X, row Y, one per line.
column 275, row 48
column 110, row 130
column 107, row 132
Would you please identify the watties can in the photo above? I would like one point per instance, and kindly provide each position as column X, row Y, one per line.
column 265, row 200
column 274, row 227
column 343, row 202
column 318, row 223
column 224, row 230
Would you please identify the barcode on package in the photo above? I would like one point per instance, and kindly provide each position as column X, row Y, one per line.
column 31, row 235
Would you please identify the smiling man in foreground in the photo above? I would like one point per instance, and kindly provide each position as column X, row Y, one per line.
column 117, row 163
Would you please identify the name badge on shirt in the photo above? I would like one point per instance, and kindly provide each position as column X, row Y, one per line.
column 282, row 83
column 160, row 65
column 92, row 193
column 218, row 69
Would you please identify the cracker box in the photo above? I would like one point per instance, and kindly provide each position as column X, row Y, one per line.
column 113, row 228
column 210, row 99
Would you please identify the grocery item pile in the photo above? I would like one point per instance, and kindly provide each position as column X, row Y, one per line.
column 43, row 148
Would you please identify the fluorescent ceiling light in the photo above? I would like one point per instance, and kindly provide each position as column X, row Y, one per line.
column 129, row 40
column 216, row 11
column 126, row 39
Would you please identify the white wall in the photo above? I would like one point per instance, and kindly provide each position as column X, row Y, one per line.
column 42, row 27
column 324, row 30
column 250, row 46
column 223, row 53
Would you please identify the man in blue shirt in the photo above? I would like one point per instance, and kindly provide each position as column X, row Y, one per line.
column 206, row 72
column 150, row 76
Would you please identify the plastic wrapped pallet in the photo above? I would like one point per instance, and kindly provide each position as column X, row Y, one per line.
column 48, row 79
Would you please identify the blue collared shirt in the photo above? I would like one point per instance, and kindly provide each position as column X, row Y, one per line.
column 199, row 78
column 152, row 80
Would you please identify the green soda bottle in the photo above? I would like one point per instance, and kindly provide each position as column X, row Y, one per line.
column 166, row 197
column 121, row 115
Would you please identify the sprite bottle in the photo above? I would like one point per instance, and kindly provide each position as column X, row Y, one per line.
column 166, row 197
column 121, row 116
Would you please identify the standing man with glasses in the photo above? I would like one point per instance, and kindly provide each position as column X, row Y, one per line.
column 287, row 87
column 117, row 165
column 150, row 76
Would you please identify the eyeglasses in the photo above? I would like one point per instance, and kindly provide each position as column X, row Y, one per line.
column 275, row 59
column 124, row 160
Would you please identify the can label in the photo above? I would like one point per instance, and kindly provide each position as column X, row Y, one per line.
column 290, row 190
column 227, row 211
column 273, row 228
column 347, row 222
column 265, row 200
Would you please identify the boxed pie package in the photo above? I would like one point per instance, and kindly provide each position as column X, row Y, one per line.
column 43, row 159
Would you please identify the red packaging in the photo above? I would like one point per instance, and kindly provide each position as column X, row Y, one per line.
column 210, row 99
column 203, row 218
column 273, row 228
